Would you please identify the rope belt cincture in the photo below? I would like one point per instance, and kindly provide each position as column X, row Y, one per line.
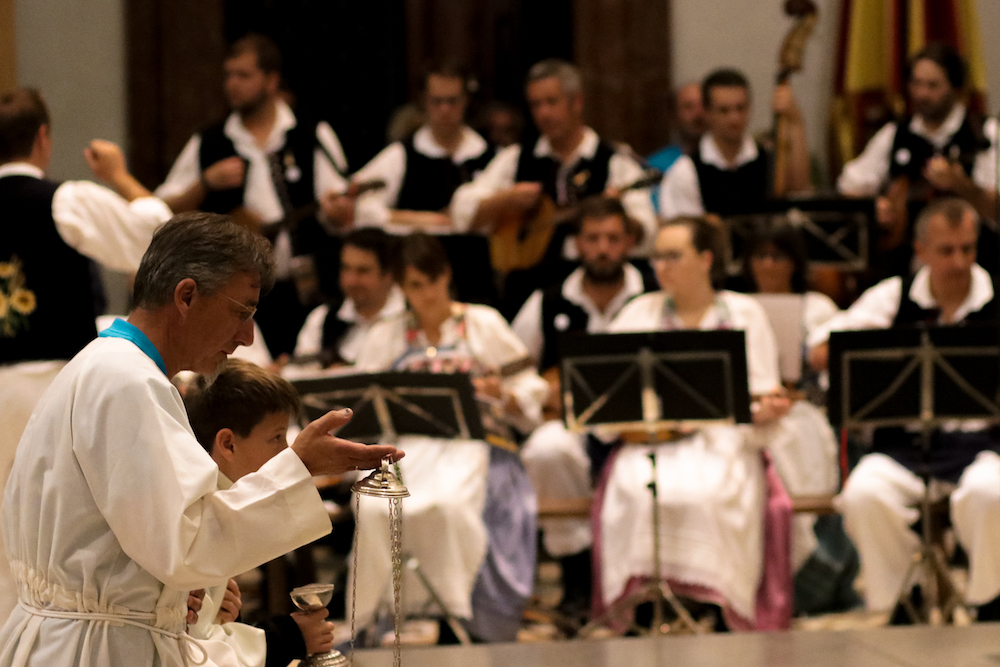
column 133, row 618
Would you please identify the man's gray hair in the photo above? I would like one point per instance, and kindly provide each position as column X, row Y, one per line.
column 568, row 74
column 208, row 248
column 952, row 209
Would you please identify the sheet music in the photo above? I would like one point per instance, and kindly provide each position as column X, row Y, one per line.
column 785, row 313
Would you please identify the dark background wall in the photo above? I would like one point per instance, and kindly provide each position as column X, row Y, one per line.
column 352, row 63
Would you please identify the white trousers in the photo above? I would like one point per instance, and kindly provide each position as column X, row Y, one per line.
column 557, row 464
column 880, row 503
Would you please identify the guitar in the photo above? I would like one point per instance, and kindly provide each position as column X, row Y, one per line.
column 243, row 216
column 520, row 242
column 904, row 193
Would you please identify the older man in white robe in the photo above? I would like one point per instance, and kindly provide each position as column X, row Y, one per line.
column 112, row 512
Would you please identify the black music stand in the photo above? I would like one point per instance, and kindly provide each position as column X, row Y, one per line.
column 837, row 232
column 920, row 376
column 390, row 404
column 653, row 383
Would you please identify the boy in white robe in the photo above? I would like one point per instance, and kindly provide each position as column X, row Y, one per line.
column 240, row 416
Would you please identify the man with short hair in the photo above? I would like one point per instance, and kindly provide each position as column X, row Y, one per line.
column 269, row 165
column 50, row 235
column 568, row 163
column 880, row 496
column 129, row 517
column 939, row 149
column 335, row 332
column 689, row 117
column 422, row 172
column 558, row 461
column 729, row 172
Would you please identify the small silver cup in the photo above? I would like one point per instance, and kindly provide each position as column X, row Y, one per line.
column 311, row 598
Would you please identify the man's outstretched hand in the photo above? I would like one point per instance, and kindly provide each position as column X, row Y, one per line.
column 325, row 454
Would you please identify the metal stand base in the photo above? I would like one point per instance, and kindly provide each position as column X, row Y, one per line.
column 656, row 591
column 660, row 595
column 456, row 626
column 942, row 600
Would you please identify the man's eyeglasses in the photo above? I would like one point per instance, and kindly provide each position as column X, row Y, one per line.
column 246, row 312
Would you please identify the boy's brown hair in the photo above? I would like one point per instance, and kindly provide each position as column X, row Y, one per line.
column 238, row 397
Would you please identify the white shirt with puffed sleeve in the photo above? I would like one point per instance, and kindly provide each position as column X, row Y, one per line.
column 499, row 175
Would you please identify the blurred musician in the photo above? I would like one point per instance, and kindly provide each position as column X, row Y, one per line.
column 422, row 171
column 712, row 483
column 729, row 172
column 587, row 301
column 567, row 163
column 776, row 262
column 266, row 164
column 335, row 333
column 804, row 447
column 940, row 149
column 471, row 517
column 689, row 117
column 879, row 498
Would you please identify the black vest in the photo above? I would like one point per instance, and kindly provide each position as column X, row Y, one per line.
column 950, row 452
column 911, row 314
column 46, row 283
column 588, row 176
column 429, row 182
column 910, row 152
column 731, row 191
column 296, row 157
column 334, row 330
column 560, row 315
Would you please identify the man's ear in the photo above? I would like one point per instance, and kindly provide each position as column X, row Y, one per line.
column 185, row 294
column 273, row 83
column 708, row 257
column 225, row 445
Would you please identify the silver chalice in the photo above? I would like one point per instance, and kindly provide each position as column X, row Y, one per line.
column 311, row 598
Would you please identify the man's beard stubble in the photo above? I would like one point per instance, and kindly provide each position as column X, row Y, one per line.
column 604, row 276
column 253, row 106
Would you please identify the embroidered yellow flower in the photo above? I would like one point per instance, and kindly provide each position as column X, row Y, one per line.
column 4, row 304
column 23, row 301
column 7, row 269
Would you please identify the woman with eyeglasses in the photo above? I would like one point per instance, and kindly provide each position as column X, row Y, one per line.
column 470, row 520
column 713, row 483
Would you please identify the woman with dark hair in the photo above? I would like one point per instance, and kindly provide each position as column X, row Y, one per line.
column 714, row 490
column 776, row 263
column 471, row 517
column 803, row 447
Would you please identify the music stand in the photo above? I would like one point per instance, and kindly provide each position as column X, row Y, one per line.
column 396, row 403
column 925, row 376
column 388, row 405
column 652, row 383
column 837, row 232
